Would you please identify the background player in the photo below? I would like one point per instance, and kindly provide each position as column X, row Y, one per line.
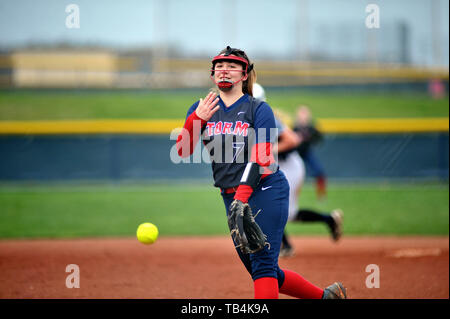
column 310, row 135
column 251, row 176
column 292, row 165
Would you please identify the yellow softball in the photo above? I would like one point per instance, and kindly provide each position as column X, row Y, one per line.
column 147, row 233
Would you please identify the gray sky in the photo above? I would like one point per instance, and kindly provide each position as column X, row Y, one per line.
column 283, row 28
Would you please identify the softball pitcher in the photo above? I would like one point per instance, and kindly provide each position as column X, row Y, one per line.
column 236, row 130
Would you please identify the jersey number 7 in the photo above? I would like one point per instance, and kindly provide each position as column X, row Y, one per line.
column 237, row 148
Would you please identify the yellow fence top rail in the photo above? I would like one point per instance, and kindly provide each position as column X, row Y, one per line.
column 90, row 127
column 384, row 125
column 166, row 126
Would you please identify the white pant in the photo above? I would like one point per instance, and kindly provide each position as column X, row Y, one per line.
column 294, row 169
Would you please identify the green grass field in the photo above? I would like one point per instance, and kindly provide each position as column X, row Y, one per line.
column 58, row 105
column 197, row 209
column 112, row 210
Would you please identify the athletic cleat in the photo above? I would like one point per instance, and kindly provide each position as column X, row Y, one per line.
column 336, row 227
column 335, row 291
column 287, row 252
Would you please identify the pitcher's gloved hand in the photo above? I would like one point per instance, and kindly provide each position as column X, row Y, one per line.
column 246, row 233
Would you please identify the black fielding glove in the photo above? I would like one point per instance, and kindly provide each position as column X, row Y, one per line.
column 246, row 233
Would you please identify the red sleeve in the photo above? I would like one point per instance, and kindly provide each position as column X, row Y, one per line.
column 263, row 156
column 189, row 135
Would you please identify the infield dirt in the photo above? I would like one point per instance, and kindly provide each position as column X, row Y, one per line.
column 209, row 268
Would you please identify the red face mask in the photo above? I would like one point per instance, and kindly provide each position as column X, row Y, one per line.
column 227, row 85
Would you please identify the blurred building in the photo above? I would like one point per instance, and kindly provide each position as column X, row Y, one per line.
column 63, row 68
column 5, row 70
column 145, row 68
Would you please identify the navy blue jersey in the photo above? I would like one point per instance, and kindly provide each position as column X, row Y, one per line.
column 230, row 134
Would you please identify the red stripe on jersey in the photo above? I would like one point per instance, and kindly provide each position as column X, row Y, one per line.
column 263, row 155
column 189, row 135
